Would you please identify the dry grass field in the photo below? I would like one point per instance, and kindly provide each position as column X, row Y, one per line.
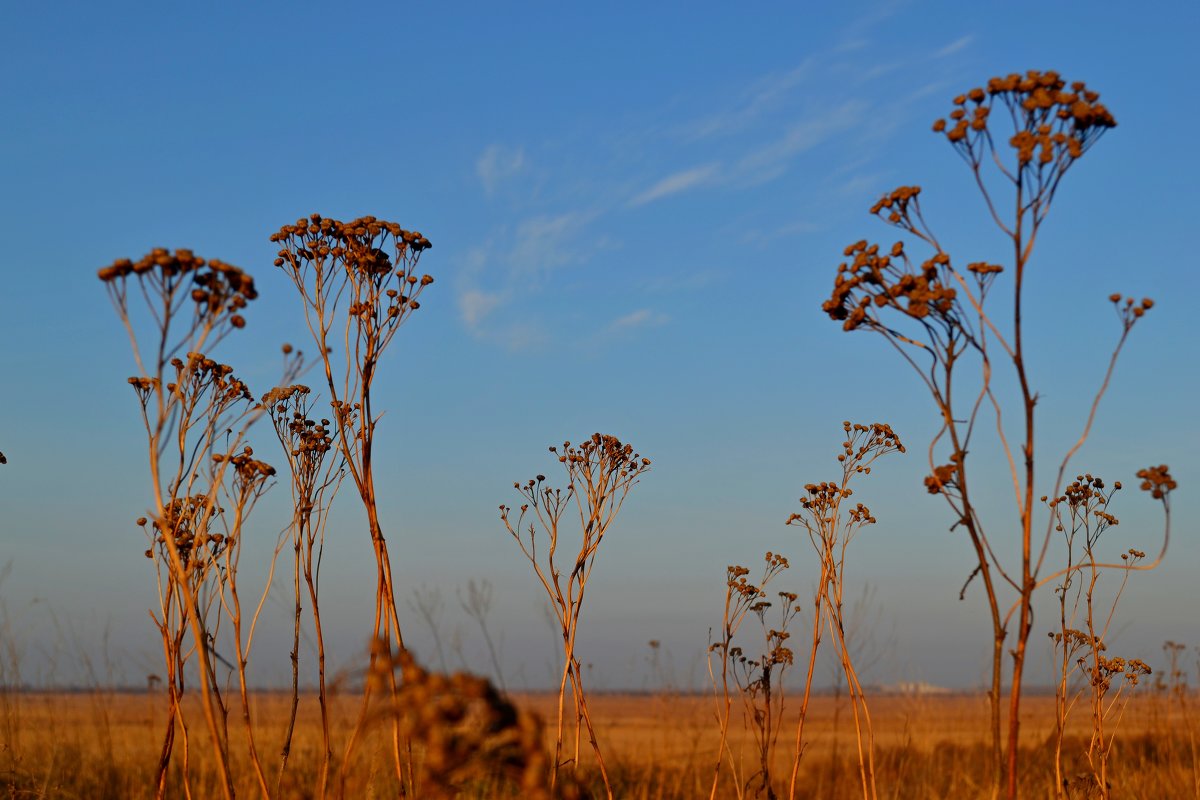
column 105, row 745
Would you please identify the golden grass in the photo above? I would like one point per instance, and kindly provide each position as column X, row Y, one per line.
column 105, row 745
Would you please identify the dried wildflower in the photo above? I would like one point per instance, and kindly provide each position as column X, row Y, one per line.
column 935, row 314
column 757, row 679
column 601, row 471
column 1055, row 124
column 366, row 268
column 1157, row 481
column 189, row 404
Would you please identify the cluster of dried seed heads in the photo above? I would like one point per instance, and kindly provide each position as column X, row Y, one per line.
column 219, row 288
column 1157, row 481
column 186, row 520
column 200, row 373
column 602, row 455
column 874, row 279
column 249, row 472
column 387, row 281
column 1055, row 123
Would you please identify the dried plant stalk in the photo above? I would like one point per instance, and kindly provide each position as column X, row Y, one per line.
column 935, row 316
column 358, row 282
column 316, row 470
column 830, row 528
column 191, row 408
column 753, row 676
column 600, row 473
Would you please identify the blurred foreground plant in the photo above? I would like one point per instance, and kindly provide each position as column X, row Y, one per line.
column 469, row 739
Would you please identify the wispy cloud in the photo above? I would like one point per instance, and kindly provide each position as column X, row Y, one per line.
column 771, row 160
column 544, row 243
column 761, row 97
column 678, row 182
column 475, row 304
column 955, row 46
column 503, row 274
column 690, row 281
column 519, row 336
column 642, row 318
column 497, row 164
column 760, row 238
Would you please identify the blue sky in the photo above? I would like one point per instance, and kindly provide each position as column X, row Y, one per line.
column 635, row 215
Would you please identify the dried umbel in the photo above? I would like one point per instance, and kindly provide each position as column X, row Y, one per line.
column 377, row 258
column 218, row 292
column 1157, row 481
column 249, row 473
column 877, row 280
column 822, row 502
column 307, row 441
column 1055, row 124
column 188, row 520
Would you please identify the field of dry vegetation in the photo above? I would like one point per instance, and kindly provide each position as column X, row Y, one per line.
column 102, row 745
column 1109, row 726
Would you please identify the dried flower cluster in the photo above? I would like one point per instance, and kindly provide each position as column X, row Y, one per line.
column 1157, row 481
column 306, row 441
column 384, row 285
column 219, row 290
column 1055, row 124
column 602, row 459
column 873, row 280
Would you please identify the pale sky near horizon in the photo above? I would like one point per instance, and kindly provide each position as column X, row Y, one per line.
column 635, row 216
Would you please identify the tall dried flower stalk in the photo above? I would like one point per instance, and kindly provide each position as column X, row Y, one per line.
column 316, row 470
column 195, row 414
column 758, row 679
column 1082, row 515
column 831, row 523
column 935, row 316
column 359, row 283
column 244, row 482
column 600, row 473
